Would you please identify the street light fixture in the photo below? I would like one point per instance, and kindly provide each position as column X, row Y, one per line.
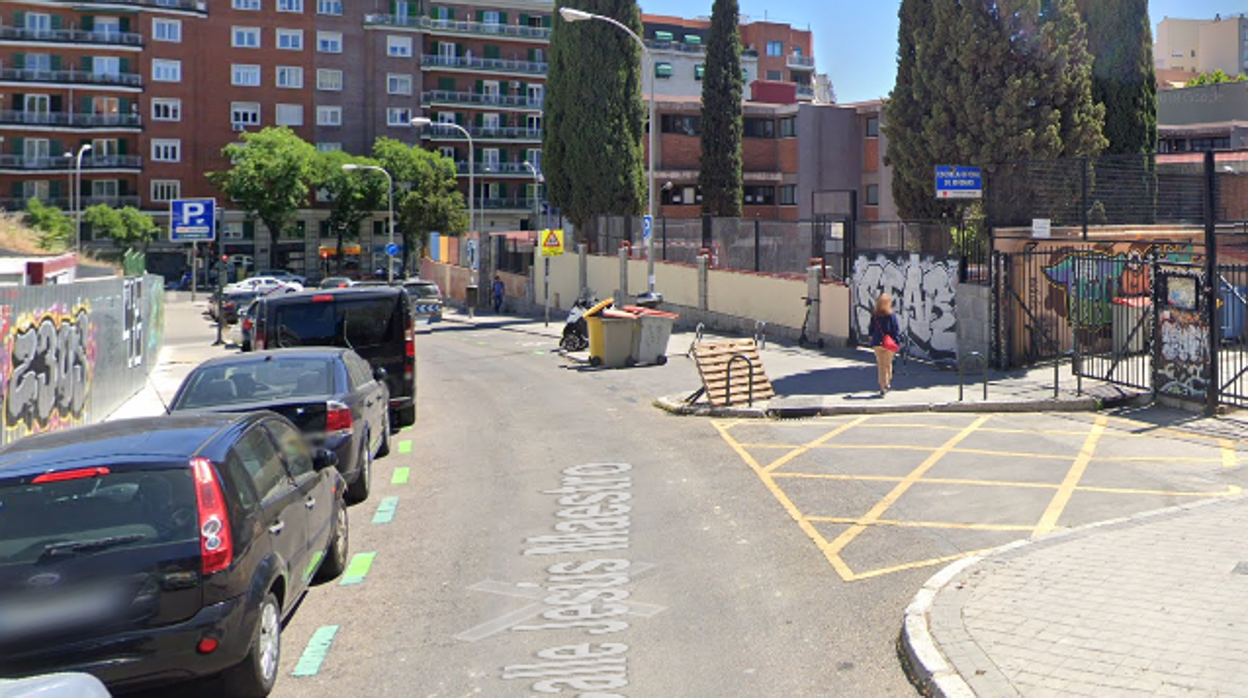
column 537, row 193
column 421, row 122
column 573, row 15
column 352, row 167
column 77, row 195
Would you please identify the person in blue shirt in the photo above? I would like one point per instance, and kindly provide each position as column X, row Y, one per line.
column 498, row 294
column 885, row 340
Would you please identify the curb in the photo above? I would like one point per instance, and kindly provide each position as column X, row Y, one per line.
column 675, row 404
column 926, row 665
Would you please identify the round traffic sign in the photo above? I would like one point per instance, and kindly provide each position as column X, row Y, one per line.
column 392, row 249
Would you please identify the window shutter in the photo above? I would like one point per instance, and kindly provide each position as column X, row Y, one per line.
column 502, row 190
column 446, row 84
column 88, row 23
column 56, row 62
column 55, row 147
column 125, row 24
column 480, row 87
column 532, row 55
column 459, row 50
column 19, row 147
column 502, row 155
column 19, row 102
column 56, row 22
column 88, row 63
column 19, row 19
column 124, row 63
column 19, row 60
column 54, row 189
column 123, row 188
column 502, row 88
column 524, row 20
column 123, row 105
column 57, row 103
column 123, row 146
column 546, row 21
column 492, row 51
column 394, row 7
column 480, row 120
column 450, row 13
column 459, row 118
column 502, row 17
column 18, row 190
column 86, row 105
column 479, row 155
column 481, row 15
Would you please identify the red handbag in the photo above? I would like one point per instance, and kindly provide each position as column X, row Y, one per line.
column 889, row 344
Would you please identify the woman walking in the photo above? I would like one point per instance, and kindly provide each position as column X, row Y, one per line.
column 885, row 340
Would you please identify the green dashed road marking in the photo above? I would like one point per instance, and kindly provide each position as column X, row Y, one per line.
column 361, row 563
column 314, row 654
column 405, row 446
column 386, row 510
column 400, row 476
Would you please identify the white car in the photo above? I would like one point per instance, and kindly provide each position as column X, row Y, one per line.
column 264, row 284
column 67, row 685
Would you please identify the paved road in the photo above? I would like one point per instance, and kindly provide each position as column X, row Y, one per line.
column 543, row 528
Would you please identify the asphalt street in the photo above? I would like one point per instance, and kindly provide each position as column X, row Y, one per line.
column 543, row 529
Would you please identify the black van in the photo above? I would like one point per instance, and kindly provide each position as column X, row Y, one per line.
column 375, row 321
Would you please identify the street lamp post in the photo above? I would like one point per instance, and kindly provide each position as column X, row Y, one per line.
column 351, row 167
column 422, row 121
column 76, row 194
column 537, row 191
column 570, row 14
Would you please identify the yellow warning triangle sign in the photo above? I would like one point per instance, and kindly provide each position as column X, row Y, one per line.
column 552, row 240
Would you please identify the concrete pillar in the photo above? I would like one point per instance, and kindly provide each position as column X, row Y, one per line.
column 582, row 269
column 704, row 275
column 814, row 284
column 621, row 293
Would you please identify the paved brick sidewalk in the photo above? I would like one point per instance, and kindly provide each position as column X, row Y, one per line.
column 1152, row 605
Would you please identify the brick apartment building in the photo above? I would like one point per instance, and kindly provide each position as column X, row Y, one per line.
column 158, row 87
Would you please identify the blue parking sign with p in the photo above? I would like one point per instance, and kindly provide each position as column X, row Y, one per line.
column 647, row 227
column 193, row 220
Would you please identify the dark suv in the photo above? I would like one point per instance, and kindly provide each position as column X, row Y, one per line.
column 375, row 321
column 155, row 550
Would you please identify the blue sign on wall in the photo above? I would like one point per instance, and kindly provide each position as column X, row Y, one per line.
column 193, row 220
column 956, row 182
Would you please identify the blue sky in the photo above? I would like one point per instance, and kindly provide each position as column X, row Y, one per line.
column 856, row 40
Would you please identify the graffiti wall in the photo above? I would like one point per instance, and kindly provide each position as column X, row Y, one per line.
column 75, row 352
column 923, row 290
column 1183, row 366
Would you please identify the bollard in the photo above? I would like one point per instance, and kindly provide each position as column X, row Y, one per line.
column 973, row 356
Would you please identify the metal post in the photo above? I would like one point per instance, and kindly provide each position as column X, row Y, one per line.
column 546, row 289
column 78, row 191
column 664, row 238
column 389, row 257
column 1084, row 203
column 1213, row 392
column 220, row 297
column 194, row 269
column 757, row 243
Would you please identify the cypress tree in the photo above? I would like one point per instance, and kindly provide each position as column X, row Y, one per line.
column 722, row 124
column 1120, row 39
column 593, row 115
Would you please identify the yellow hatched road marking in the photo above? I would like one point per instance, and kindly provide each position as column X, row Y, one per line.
column 923, row 524
column 1048, row 521
column 1230, row 489
column 800, row 450
column 857, row 577
column 877, row 511
column 1229, row 459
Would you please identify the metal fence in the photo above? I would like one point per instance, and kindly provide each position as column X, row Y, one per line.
column 965, row 241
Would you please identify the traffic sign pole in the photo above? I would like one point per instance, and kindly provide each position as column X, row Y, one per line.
column 194, row 269
column 546, row 289
column 647, row 232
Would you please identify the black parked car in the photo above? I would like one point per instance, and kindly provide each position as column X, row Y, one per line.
column 156, row 550
column 375, row 321
column 331, row 394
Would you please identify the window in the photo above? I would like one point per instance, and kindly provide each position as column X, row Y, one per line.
column 255, row 454
column 788, row 127
column 329, row 7
column 166, row 189
column 490, row 122
column 490, row 159
column 873, row 195
column 759, row 195
column 491, row 17
column 533, row 122
column 534, row 157
column 399, row 46
column 247, row 4
column 788, row 195
column 166, row 150
column 38, row 22
column 105, row 189
column 397, row 84
column 873, row 127
column 291, row 445
column 760, row 128
column 537, row 94
column 290, row 115
column 245, row 37
column 775, row 48
column 35, row 150
column 699, row 70
column 329, row 80
column 42, row 63
column 290, row 5
column 246, row 75
column 680, row 124
column 164, row 70
column 447, row 52
column 37, row 189
column 491, row 89
column 105, row 147
column 329, row 42
column 169, row 30
column 245, row 114
column 446, row 117
column 663, row 70
column 398, row 116
column 328, row 147
column 329, row 116
column 166, row 110
column 290, row 39
column 290, row 77
column 775, row 75
column 448, row 153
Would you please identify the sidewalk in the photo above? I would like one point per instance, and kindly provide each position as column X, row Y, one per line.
column 1152, row 605
column 810, row 381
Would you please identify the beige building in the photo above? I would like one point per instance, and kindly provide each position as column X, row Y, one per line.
column 1202, row 45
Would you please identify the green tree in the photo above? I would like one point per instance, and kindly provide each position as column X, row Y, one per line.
column 354, row 195
column 427, row 196
column 269, row 177
column 127, row 227
column 56, row 230
column 1120, row 39
column 722, row 125
column 1217, row 77
column 986, row 83
column 594, row 117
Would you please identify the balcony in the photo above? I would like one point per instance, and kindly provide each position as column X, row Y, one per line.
column 795, row 62
column 67, row 120
column 71, row 36
column 482, row 100
column 27, row 163
column 508, row 133
column 451, row 27
column 805, row 92
column 496, row 169
column 680, row 46
column 485, row 65
column 19, row 204
column 70, row 76
column 200, row 6
column 521, row 204
column 114, row 200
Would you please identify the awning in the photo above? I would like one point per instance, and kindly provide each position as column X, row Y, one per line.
column 662, row 36
column 332, row 250
column 693, row 39
column 663, row 70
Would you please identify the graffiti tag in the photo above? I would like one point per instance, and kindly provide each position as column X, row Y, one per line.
column 51, row 371
column 132, row 327
column 1185, row 354
column 923, row 289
